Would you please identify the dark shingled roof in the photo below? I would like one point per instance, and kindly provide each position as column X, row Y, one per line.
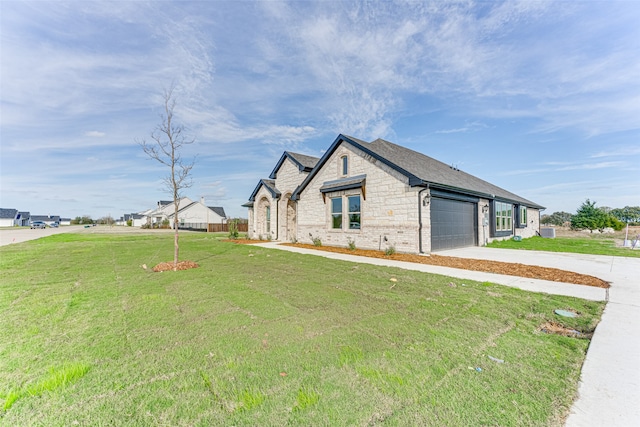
column 343, row 184
column 433, row 171
column 8, row 213
column 305, row 163
column 219, row 210
column 270, row 185
column 421, row 170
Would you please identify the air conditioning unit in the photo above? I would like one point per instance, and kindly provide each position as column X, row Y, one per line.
column 548, row 232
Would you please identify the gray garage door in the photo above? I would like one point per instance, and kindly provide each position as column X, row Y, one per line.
column 453, row 224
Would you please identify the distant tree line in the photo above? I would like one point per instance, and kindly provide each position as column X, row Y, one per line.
column 590, row 217
column 82, row 220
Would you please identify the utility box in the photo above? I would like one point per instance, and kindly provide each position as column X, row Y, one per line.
column 548, row 232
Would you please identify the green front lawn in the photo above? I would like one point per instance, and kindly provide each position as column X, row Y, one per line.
column 270, row 338
column 582, row 245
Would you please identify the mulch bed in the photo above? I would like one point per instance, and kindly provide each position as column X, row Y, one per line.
column 168, row 266
column 558, row 329
column 498, row 267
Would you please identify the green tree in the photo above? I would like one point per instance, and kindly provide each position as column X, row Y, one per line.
column 630, row 214
column 556, row 218
column 589, row 217
column 86, row 219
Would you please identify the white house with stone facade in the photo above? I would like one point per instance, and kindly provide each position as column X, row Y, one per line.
column 380, row 195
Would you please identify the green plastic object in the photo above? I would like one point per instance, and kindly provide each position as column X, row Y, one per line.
column 565, row 313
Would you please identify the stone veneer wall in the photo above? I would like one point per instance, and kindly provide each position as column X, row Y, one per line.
column 533, row 224
column 390, row 209
column 288, row 178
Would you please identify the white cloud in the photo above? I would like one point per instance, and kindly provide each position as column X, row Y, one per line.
column 95, row 134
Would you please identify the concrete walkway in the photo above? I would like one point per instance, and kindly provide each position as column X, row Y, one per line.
column 609, row 389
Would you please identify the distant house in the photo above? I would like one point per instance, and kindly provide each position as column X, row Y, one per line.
column 8, row 217
column 23, row 219
column 380, row 195
column 65, row 221
column 196, row 215
column 164, row 209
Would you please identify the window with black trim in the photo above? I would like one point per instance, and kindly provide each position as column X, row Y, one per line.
column 503, row 214
column 345, row 165
column 522, row 216
column 336, row 212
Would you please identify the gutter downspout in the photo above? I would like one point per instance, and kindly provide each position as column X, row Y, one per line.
column 420, row 219
column 277, row 217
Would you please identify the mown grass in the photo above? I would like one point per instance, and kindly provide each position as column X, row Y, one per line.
column 265, row 337
column 580, row 245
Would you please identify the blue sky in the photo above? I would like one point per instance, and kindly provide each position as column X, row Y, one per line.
column 540, row 98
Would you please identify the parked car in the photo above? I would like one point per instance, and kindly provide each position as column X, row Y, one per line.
column 54, row 225
column 38, row 224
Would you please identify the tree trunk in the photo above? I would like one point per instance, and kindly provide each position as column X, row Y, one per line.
column 175, row 230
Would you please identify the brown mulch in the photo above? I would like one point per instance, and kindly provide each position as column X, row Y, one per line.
column 498, row 267
column 558, row 329
column 168, row 266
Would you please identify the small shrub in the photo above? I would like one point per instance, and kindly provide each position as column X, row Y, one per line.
column 269, row 237
column 233, row 229
column 390, row 250
column 351, row 243
column 316, row 241
column 129, row 223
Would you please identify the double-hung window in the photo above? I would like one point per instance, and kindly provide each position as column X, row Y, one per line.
column 353, row 206
column 336, row 212
column 354, row 212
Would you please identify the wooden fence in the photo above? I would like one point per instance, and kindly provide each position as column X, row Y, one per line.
column 217, row 228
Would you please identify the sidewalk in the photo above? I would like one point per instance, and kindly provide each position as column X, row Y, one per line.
column 609, row 389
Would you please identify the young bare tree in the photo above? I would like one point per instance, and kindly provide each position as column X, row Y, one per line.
column 167, row 141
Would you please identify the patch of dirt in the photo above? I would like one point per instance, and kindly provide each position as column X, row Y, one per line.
column 498, row 267
column 168, row 266
column 245, row 241
column 558, row 329
column 618, row 236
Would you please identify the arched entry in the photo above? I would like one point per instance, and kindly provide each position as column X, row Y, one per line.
column 263, row 218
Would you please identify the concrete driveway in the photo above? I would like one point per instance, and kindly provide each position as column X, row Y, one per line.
column 19, row 234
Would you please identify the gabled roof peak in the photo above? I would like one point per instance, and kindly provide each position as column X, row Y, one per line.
column 305, row 163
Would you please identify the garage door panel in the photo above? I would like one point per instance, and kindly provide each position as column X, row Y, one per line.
column 453, row 224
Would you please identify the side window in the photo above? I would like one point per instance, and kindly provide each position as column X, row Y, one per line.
column 344, row 160
column 522, row 215
column 268, row 216
column 336, row 212
column 354, row 212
